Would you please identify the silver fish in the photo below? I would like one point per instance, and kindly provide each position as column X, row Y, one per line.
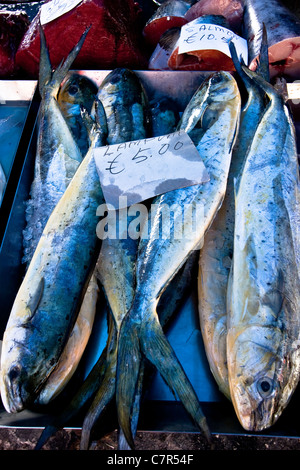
column 57, row 156
column 211, row 120
column 50, row 296
column 216, row 252
column 263, row 351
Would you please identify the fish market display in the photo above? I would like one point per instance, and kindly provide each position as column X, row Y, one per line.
column 168, row 15
column 77, row 92
column 216, row 253
column 113, row 41
column 263, row 293
column 206, row 59
column 2, row 183
column 13, row 26
column 232, row 10
column 50, row 296
column 283, row 30
column 58, row 155
column 211, row 120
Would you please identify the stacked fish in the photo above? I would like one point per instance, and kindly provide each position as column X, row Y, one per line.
column 248, row 269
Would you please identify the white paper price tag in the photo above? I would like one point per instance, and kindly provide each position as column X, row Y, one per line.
column 142, row 169
column 56, row 8
column 200, row 36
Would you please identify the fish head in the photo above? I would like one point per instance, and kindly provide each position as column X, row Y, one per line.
column 217, row 95
column 16, row 359
column 75, row 92
column 25, row 358
column 260, row 375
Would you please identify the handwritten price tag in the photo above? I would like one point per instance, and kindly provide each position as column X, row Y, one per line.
column 56, row 8
column 199, row 36
column 142, row 169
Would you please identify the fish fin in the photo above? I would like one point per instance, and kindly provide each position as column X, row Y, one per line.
column 148, row 339
column 35, row 300
column 128, row 372
column 122, row 442
column 46, row 76
column 263, row 59
column 45, row 69
column 102, row 398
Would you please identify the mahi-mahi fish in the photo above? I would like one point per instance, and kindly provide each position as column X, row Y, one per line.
column 49, row 298
column 211, row 120
column 216, row 252
column 263, row 352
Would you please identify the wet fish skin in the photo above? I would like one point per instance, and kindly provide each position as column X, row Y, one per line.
column 263, row 298
column 217, row 250
column 53, row 288
column 160, row 259
column 57, row 156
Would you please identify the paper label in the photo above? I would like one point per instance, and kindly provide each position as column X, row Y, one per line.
column 199, row 36
column 142, row 169
column 56, row 8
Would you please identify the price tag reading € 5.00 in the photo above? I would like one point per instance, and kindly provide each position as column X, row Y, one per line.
column 142, row 169
column 56, row 8
column 201, row 36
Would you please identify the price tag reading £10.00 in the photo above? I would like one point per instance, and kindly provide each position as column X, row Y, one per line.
column 56, row 8
column 143, row 169
column 196, row 36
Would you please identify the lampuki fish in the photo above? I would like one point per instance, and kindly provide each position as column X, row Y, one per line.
column 57, row 156
column 263, row 351
column 128, row 118
column 216, row 252
column 49, row 298
column 211, row 119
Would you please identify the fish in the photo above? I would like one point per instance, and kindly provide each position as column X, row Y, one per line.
column 57, row 156
column 50, row 296
column 169, row 14
column 116, row 262
column 2, row 183
column 283, row 29
column 206, row 59
column 217, row 250
column 128, row 118
column 211, row 120
column 263, row 290
column 75, row 92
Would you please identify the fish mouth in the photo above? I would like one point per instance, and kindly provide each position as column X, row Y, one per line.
column 13, row 396
column 254, row 414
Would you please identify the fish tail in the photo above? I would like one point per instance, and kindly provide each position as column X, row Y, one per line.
column 122, row 442
column 148, row 339
column 102, row 398
column 159, row 352
column 129, row 365
column 45, row 72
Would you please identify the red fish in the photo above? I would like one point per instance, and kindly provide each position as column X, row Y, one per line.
column 232, row 10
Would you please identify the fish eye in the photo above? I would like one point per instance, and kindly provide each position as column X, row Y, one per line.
column 73, row 90
column 265, row 386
